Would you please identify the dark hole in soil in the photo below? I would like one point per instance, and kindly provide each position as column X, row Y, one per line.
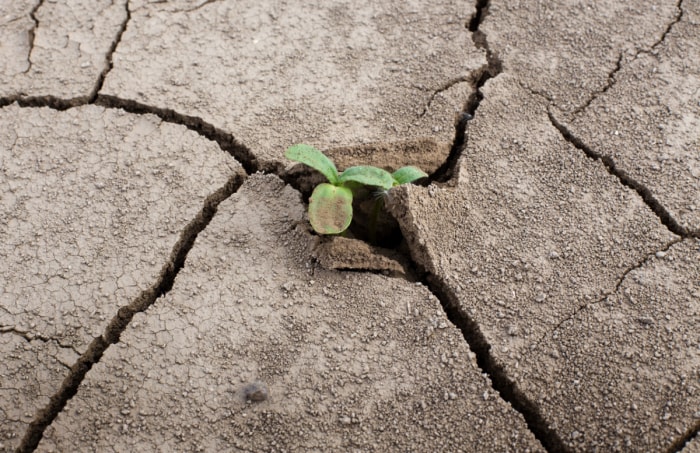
column 371, row 222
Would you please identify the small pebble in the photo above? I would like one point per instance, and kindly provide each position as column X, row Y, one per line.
column 255, row 392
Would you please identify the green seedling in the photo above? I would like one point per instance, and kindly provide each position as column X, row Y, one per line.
column 330, row 205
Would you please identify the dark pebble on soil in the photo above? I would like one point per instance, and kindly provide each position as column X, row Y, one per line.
column 255, row 392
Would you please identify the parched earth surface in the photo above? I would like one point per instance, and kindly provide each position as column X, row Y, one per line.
column 161, row 288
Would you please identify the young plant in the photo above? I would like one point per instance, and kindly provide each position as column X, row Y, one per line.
column 330, row 205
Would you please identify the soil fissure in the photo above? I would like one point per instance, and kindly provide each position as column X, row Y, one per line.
column 679, row 16
column 124, row 315
column 618, row 284
column 442, row 89
column 506, row 388
column 61, row 104
column 602, row 91
column 692, row 435
column 500, row 382
column 110, row 53
column 32, row 34
column 647, row 196
column 30, row 336
column 201, row 5
column 618, row 66
column 491, row 69
column 225, row 140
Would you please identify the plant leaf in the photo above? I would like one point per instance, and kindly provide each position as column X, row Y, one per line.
column 404, row 175
column 315, row 159
column 330, row 209
column 369, row 176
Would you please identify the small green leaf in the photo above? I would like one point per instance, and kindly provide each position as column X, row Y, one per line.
column 404, row 175
column 369, row 176
column 315, row 159
column 330, row 209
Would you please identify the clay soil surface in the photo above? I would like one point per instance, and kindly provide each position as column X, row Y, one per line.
column 161, row 288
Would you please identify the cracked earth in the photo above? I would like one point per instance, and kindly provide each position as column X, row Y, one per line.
column 161, row 289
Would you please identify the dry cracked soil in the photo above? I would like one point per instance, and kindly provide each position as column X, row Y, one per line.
column 161, row 288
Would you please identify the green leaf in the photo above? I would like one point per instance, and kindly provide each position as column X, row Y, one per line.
column 330, row 209
column 315, row 159
column 404, row 175
column 369, row 176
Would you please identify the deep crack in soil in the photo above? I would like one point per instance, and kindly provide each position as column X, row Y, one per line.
column 693, row 434
column 225, row 140
column 661, row 212
column 32, row 34
column 120, row 321
column 493, row 67
column 108, row 60
column 500, row 382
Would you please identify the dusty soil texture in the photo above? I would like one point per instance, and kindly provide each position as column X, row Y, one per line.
column 30, row 372
column 568, row 51
column 87, row 225
column 648, row 121
column 352, row 361
column 57, row 49
column 331, row 74
column 534, row 231
column 161, row 288
column 631, row 360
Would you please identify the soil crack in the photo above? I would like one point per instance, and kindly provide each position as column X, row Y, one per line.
column 491, row 69
column 32, row 34
column 31, row 336
column 618, row 284
column 606, row 87
column 618, row 66
column 693, row 434
column 44, row 417
column 58, row 103
column 224, row 139
column 500, row 382
column 679, row 16
column 109, row 64
column 443, row 88
column 647, row 196
column 204, row 3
